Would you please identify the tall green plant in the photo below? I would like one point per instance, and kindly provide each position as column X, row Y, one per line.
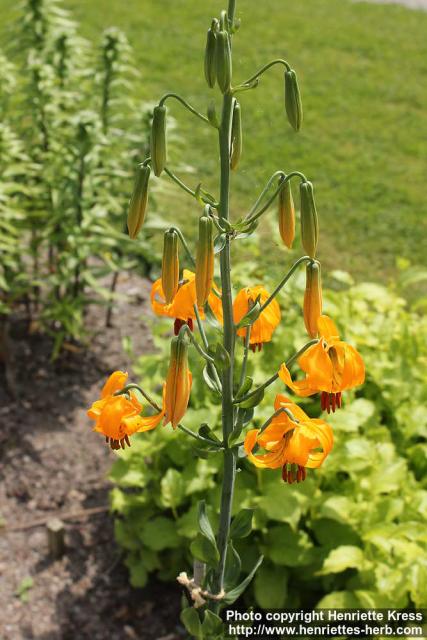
column 76, row 169
column 291, row 440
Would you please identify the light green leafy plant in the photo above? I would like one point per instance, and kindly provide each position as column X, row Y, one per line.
column 68, row 164
column 352, row 536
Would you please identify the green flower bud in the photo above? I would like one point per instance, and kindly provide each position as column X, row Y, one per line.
column 286, row 214
column 170, row 265
column 223, row 61
column 309, row 220
column 236, row 136
column 293, row 100
column 204, row 260
column 158, row 139
column 312, row 298
column 210, row 58
column 138, row 201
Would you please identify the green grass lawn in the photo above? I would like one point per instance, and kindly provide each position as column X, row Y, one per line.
column 362, row 71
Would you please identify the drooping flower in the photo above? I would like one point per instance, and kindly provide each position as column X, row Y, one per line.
column 331, row 366
column 292, row 441
column 182, row 306
column 118, row 416
column 264, row 326
column 178, row 383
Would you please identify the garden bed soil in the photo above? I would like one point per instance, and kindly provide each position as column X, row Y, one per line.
column 52, row 464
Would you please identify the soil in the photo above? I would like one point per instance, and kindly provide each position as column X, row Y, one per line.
column 52, row 464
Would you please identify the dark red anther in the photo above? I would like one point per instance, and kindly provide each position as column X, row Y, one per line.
column 323, row 401
column 178, row 324
column 339, row 400
column 334, row 401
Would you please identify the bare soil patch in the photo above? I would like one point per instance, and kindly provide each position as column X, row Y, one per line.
column 51, row 463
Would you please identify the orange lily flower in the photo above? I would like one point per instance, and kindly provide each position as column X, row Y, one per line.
column 331, row 366
column 263, row 327
column 182, row 306
column 293, row 443
column 118, row 416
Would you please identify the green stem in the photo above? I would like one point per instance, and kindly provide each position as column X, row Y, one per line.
column 267, row 205
column 183, row 186
column 144, row 394
column 229, row 338
column 184, row 244
column 185, row 104
column 186, row 329
column 196, row 436
column 274, row 377
column 245, row 358
column 264, row 191
column 284, row 281
column 265, row 68
column 202, row 332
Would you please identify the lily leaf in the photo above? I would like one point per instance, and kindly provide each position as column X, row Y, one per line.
column 231, row 596
column 204, row 524
column 241, row 525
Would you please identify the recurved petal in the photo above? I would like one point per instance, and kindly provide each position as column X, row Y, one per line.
column 115, row 382
column 95, row 410
column 274, row 433
column 158, row 302
column 182, row 306
column 354, row 368
column 114, row 410
column 327, row 328
column 272, row 460
column 250, row 440
column 142, row 423
column 324, row 435
column 298, row 448
column 318, row 366
column 263, row 328
column 300, row 387
column 282, row 401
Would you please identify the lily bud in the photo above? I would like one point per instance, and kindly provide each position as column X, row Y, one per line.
column 309, row 221
column 236, row 136
column 178, row 382
column 223, row 61
column 158, row 139
column 312, row 298
column 293, row 100
column 138, row 201
column 204, row 260
column 170, row 265
column 286, row 214
column 210, row 58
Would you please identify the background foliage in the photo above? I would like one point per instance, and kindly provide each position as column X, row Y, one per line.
column 365, row 128
column 67, row 168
